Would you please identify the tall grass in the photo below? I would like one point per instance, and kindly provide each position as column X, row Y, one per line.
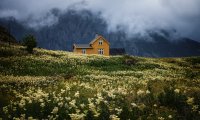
column 63, row 85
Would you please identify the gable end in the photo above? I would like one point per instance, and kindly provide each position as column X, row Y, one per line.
column 97, row 38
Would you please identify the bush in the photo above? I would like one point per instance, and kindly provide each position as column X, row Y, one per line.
column 193, row 60
column 105, row 113
column 191, row 74
column 6, row 53
column 89, row 116
column 171, row 99
column 177, row 101
column 125, row 114
column 30, row 42
column 129, row 60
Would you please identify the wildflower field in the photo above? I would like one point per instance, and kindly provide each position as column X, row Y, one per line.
column 61, row 85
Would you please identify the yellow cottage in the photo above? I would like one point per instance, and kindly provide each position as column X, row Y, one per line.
column 99, row 45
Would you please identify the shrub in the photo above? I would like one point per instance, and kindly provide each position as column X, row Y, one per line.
column 191, row 74
column 193, row 60
column 105, row 113
column 129, row 60
column 30, row 42
column 89, row 116
column 6, row 53
column 125, row 114
column 171, row 99
column 177, row 101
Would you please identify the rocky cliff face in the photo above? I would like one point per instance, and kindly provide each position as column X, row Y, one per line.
column 81, row 27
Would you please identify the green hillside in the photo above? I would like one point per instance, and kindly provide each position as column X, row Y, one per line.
column 62, row 85
column 5, row 36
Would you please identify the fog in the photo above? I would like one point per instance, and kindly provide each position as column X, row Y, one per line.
column 131, row 16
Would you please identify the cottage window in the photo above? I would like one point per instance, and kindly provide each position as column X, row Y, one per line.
column 100, row 42
column 84, row 51
column 101, row 51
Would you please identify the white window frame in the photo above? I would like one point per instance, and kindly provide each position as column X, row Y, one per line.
column 100, row 42
column 101, row 51
column 83, row 51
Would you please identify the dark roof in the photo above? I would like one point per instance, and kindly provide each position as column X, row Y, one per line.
column 89, row 45
column 97, row 37
column 117, row 51
column 82, row 46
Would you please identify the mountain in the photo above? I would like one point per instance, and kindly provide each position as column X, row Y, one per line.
column 5, row 36
column 81, row 27
column 36, row 84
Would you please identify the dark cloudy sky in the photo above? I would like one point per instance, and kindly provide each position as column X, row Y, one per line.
column 134, row 16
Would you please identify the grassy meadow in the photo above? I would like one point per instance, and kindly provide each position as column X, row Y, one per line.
column 61, row 85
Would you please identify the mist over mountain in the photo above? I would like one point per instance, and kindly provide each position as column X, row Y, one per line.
column 81, row 26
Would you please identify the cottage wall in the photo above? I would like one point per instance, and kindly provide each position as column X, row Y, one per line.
column 104, row 46
column 79, row 50
column 95, row 47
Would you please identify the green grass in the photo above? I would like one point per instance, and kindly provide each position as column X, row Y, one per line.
column 62, row 85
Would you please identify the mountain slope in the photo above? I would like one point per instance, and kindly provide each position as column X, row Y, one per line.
column 5, row 36
column 57, row 84
column 81, row 27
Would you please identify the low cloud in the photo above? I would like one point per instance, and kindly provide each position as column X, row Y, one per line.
column 43, row 21
column 131, row 16
column 9, row 13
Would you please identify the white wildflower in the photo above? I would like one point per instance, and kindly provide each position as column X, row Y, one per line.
column 41, row 100
column 190, row 100
column 22, row 117
column 72, row 103
column 5, row 109
column 148, row 92
column 82, row 105
column 77, row 94
column 62, row 91
column 22, row 103
column 15, row 118
column 140, row 92
column 77, row 116
column 118, row 110
column 134, row 105
column 142, row 106
column 91, row 106
column 114, row 117
column 170, row 116
column 67, row 98
column 195, row 108
column 30, row 101
column 30, row 118
column 161, row 118
column 155, row 105
column 177, row 90
column 42, row 105
column 55, row 110
column 60, row 104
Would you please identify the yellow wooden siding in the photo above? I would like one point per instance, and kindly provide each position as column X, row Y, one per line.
column 104, row 46
column 79, row 50
column 95, row 47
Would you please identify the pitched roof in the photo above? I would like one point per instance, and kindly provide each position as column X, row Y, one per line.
column 89, row 45
column 94, row 39
column 82, row 46
column 97, row 37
